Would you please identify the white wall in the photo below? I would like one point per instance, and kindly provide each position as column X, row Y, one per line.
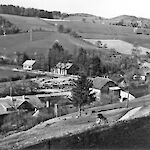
column 124, row 94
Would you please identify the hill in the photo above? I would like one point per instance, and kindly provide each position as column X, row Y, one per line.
column 26, row 23
column 83, row 17
column 125, row 20
column 102, row 30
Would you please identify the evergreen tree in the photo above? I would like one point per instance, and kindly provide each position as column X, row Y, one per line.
column 82, row 60
column 96, row 66
column 81, row 93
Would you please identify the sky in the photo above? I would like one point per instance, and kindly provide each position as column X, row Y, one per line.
column 103, row 8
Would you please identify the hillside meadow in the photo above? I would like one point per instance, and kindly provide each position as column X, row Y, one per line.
column 98, row 30
column 87, row 29
column 41, row 42
column 26, row 23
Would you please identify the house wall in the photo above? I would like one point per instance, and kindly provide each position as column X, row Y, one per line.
column 124, row 94
column 107, row 96
column 2, row 117
column 105, row 88
column 73, row 70
column 29, row 67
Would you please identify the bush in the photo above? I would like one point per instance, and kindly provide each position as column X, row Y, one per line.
column 75, row 34
column 60, row 28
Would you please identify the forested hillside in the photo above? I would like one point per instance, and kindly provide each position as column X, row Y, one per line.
column 29, row 12
column 7, row 27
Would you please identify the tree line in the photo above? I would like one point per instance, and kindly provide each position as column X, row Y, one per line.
column 7, row 27
column 30, row 12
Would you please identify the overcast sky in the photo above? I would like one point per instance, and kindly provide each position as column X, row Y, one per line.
column 103, row 8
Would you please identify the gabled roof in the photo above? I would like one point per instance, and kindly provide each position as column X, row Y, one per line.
column 64, row 65
column 99, row 82
column 35, row 101
column 29, row 62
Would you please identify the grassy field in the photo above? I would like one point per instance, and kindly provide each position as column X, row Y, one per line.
column 120, row 46
column 88, row 30
column 98, row 30
column 25, row 23
column 42, row 41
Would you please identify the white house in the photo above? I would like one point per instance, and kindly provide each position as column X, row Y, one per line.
column 28, row 65
column 126, row 95
column 62, row 68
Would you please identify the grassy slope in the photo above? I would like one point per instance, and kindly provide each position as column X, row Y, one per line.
column 41, row 42
column 130, row 135
column 87, row 30
column 105, row 31
column 123, row 133
column 25, row 23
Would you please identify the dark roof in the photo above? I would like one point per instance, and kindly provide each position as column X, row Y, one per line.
column 35, row 101
column 32, row 99
column 99, row 82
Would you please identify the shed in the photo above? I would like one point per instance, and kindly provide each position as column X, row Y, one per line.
column 29, row 64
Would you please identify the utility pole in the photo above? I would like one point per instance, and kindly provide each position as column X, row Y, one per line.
column 10, row 89
column 31, row 36
column 56, row 110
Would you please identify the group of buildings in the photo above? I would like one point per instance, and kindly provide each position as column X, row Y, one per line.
column 60, row 68
column 102, row 86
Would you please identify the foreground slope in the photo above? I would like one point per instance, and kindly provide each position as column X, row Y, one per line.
column 69, row 127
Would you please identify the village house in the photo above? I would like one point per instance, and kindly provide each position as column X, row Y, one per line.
column 9, row 105
column 29, row 65
column 28, row 103
column 65, row 69
column 105, row 87
column 101, row 86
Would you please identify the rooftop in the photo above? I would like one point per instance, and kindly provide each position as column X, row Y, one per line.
column 64, row 65
column 29, row 62
column 99, row 82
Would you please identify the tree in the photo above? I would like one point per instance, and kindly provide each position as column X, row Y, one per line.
column 55, row 54
column 96, row 66
column 82, row 60
column 81, row 92
column 60, row 28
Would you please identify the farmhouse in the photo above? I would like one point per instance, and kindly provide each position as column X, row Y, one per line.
column 65, row 68
column 29, row 64
column 106, row 87
column 28, row 103
column 101, row 86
